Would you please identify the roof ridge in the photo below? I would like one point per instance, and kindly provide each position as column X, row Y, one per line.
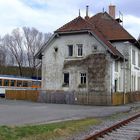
column 75, row 20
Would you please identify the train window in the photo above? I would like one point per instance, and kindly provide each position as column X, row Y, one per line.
column 19, row 83
column 6, row 82
column 29, row 84
column 12, row 83
column 25, row 83
column 0, row 82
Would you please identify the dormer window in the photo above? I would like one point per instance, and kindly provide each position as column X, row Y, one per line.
column 80, row 49
column 70, row 50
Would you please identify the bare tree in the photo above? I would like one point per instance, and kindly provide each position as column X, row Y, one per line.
column 2, row 54
column 33, row 40
column 14, row 44
column 19, row 47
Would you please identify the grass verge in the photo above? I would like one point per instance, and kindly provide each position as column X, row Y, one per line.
column 46, row 131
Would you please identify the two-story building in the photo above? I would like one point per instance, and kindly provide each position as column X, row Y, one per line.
column 93, row 55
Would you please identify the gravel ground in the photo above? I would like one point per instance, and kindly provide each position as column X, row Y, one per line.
column 106, row 122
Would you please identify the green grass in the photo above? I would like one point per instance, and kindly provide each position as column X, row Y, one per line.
column 46, row 131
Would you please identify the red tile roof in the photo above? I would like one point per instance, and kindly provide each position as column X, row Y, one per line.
column 103, row 26
column 77, row 24
column 109, row 27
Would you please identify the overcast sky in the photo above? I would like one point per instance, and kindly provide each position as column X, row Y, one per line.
column 48, row 15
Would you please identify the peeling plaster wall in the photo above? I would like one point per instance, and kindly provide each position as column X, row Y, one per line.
column 98, row 68
column 53, row 62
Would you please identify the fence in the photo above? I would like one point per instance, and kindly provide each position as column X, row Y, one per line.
column 82, row 98
column 62, row 97
column 120, row 98
column 30, row 95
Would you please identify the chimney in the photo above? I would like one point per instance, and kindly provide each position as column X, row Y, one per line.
column 112, row 11
column 87, row 17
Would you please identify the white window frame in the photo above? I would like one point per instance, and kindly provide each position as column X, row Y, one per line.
column 83, row 78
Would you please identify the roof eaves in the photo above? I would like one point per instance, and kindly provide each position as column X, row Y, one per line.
column 73, row 31
column 39, row 53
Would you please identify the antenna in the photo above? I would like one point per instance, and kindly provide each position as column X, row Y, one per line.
column 121, row 16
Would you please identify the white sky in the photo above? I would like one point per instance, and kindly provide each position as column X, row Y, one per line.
column 48, row 15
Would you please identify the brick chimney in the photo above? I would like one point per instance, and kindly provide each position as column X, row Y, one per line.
column 112, row 11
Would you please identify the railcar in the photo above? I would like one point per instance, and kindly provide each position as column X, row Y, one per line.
column 14, row 82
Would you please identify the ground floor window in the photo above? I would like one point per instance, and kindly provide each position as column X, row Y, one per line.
column 133, row 82
column 66, row 79
column 83, row 78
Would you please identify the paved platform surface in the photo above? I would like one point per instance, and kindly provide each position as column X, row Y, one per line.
column 14, row 112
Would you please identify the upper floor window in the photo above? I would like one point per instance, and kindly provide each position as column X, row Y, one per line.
column 133, row 57
column 80, row 49
column 70, row 50
column 116, row 66
column 138, row 59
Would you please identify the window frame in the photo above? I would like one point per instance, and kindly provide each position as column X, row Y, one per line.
column 79, row 50
column 138, row 59
column 116, row 66
column 70, row 50
column 66, row 80
column 83, row 78
column 4, row 82
column 133, row 57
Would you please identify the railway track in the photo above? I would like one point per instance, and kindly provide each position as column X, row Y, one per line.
column 128, row 129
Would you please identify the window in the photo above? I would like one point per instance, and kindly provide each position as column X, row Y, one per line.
column 133, row 57
column 80, row 49
column 6, row 82
column 138, row 59
column 116, row 66
column 0, row 82
column 83, row 78
column 19, row 83
column 133, row 82
column 25, row 83
column 12, row 83
column 70, row 50
column 66, row 79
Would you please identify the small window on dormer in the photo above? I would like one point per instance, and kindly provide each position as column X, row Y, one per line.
column 80, row 49
column 70, row 50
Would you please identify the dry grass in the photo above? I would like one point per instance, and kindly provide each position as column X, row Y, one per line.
column 54, row 131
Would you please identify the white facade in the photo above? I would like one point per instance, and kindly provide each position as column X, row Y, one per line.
column 128, row 73
column 53, row 61
column 125, row 74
